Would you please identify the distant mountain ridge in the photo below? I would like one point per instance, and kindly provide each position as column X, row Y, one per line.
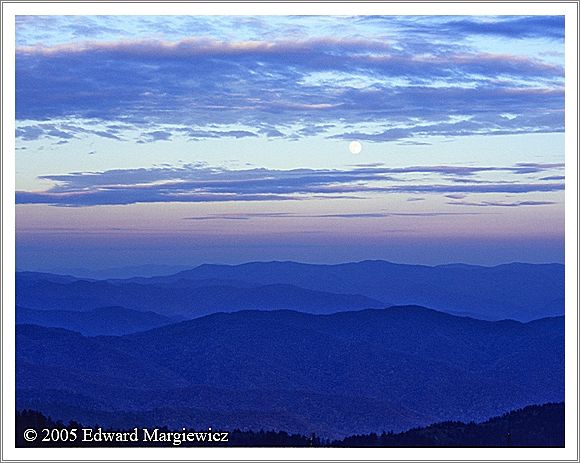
column 116, row 272
column 518, row 291
column 336, row 375
column 100, row 321
column 183, row 299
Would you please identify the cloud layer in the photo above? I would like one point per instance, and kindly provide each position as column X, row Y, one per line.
column 416, row 83
column 199, row 183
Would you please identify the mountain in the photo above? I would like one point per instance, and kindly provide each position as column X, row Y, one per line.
column 516, row 291
column 120, row 272
column 519, row 291
column 29, row 278
column 103, row 320
column 336, row 375
column 182, row 298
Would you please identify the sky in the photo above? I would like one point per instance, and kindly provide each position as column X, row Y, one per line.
column 183, row 140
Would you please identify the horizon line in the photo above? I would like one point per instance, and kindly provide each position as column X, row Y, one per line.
column 186, row 267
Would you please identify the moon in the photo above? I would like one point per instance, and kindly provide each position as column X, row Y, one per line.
column 355, row 147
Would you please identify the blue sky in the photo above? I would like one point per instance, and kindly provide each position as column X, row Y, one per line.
column 190, row 139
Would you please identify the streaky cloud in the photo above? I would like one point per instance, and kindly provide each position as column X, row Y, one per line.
column 450, row 27
column 479, row 188
column 290, row 215
column 553, row 177
column 511, row 27
column 262, row 86
column 501, row 204
column 200, row 183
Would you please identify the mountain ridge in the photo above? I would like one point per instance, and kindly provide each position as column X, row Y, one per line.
column 519, row 291
column 306, row 371
column 102, row 320
column 182, row 299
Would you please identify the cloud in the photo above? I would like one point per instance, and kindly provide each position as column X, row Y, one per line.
column 271, row 132
column 39, row 29
column 390, row 214
column 30, row 133
column 511, row 27
column 462, row 171
column 502, row 204
column 196, row 134
column 313, row 84
column 245, row 216
column 479, row 188
column 156, row 135
column 450, row 27
column 534, row 167
column 402, row 29
column 314, row 130
column 290, row 215
column 66, row 130
column 477, row 124
column 200, row 183
column 62, row 131
column 132, row 196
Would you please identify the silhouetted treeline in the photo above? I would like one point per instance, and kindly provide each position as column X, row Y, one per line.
column 532, row 426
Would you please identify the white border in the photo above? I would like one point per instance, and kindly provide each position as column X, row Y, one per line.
column 571, row 230
column 10, row 453
column 292, row 8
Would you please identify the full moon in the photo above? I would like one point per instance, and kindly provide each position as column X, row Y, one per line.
column 355, row 147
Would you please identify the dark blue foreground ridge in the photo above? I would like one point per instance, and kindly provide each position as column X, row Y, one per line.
column 336, row 375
